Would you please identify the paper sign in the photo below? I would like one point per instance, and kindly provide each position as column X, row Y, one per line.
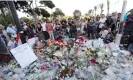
column 31, row 41
column 24, row 55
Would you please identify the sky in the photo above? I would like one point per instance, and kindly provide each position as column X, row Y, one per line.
column 68, row 6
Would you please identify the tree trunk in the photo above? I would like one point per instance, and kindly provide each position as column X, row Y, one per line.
column 101, row 12
column 2, row 10
column 108, row 7
column 34, row 15
column 108, row 11
column 95, row 13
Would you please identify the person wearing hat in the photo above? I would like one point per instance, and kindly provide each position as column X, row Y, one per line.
column 110, row 23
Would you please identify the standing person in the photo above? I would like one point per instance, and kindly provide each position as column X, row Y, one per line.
column 39, row 31
column 114, row 17
column 45, row 33
column 118, row 20
column 101, row 22
column 25, row 30
column 82, row 27
column 110, row 23
column 78, row 26
column 89, row 30
column 49, row 28
column 97, row 21
column 57, row 31
column 12, row 31
column 73, row 30
column 64, row 26
column 34, row 28
column 30, row 31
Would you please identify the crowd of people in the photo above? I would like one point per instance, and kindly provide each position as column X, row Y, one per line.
column 90, row 27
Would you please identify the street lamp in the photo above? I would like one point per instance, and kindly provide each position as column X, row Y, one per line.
column 119, row 35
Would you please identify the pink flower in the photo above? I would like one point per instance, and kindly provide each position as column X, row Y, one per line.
column 43, row 68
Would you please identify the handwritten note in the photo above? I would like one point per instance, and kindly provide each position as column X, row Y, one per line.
column 24, row 55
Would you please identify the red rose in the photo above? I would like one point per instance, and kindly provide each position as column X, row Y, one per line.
column 93, row 60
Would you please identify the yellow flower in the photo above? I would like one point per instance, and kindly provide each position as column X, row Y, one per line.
column 89, row 52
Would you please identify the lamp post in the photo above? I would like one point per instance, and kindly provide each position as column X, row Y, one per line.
column 119, row 35
column 16, row 20
column 123, row 10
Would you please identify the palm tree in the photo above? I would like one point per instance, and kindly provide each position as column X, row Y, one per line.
column 77, row 14
column 101, row 7
column 90, row 12
column 86, row 14
column 95, row 8
column 108, row 7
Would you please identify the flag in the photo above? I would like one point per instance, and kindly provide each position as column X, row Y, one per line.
column 18, row 40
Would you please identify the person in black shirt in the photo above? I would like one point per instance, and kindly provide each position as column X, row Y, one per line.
column 73, row 29
column 40, row 32
column 109, row 23
column 30, row 31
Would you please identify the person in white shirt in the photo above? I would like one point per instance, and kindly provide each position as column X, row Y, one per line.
column 82, row 26
column 43, row 24
column 12, row 31
column 12, row 43
column 104, row 32
column 101, row 22
column 44, row 29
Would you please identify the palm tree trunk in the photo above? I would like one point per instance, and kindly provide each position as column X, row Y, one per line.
column 34, row 15
column 108, row 7
column 95, row 13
